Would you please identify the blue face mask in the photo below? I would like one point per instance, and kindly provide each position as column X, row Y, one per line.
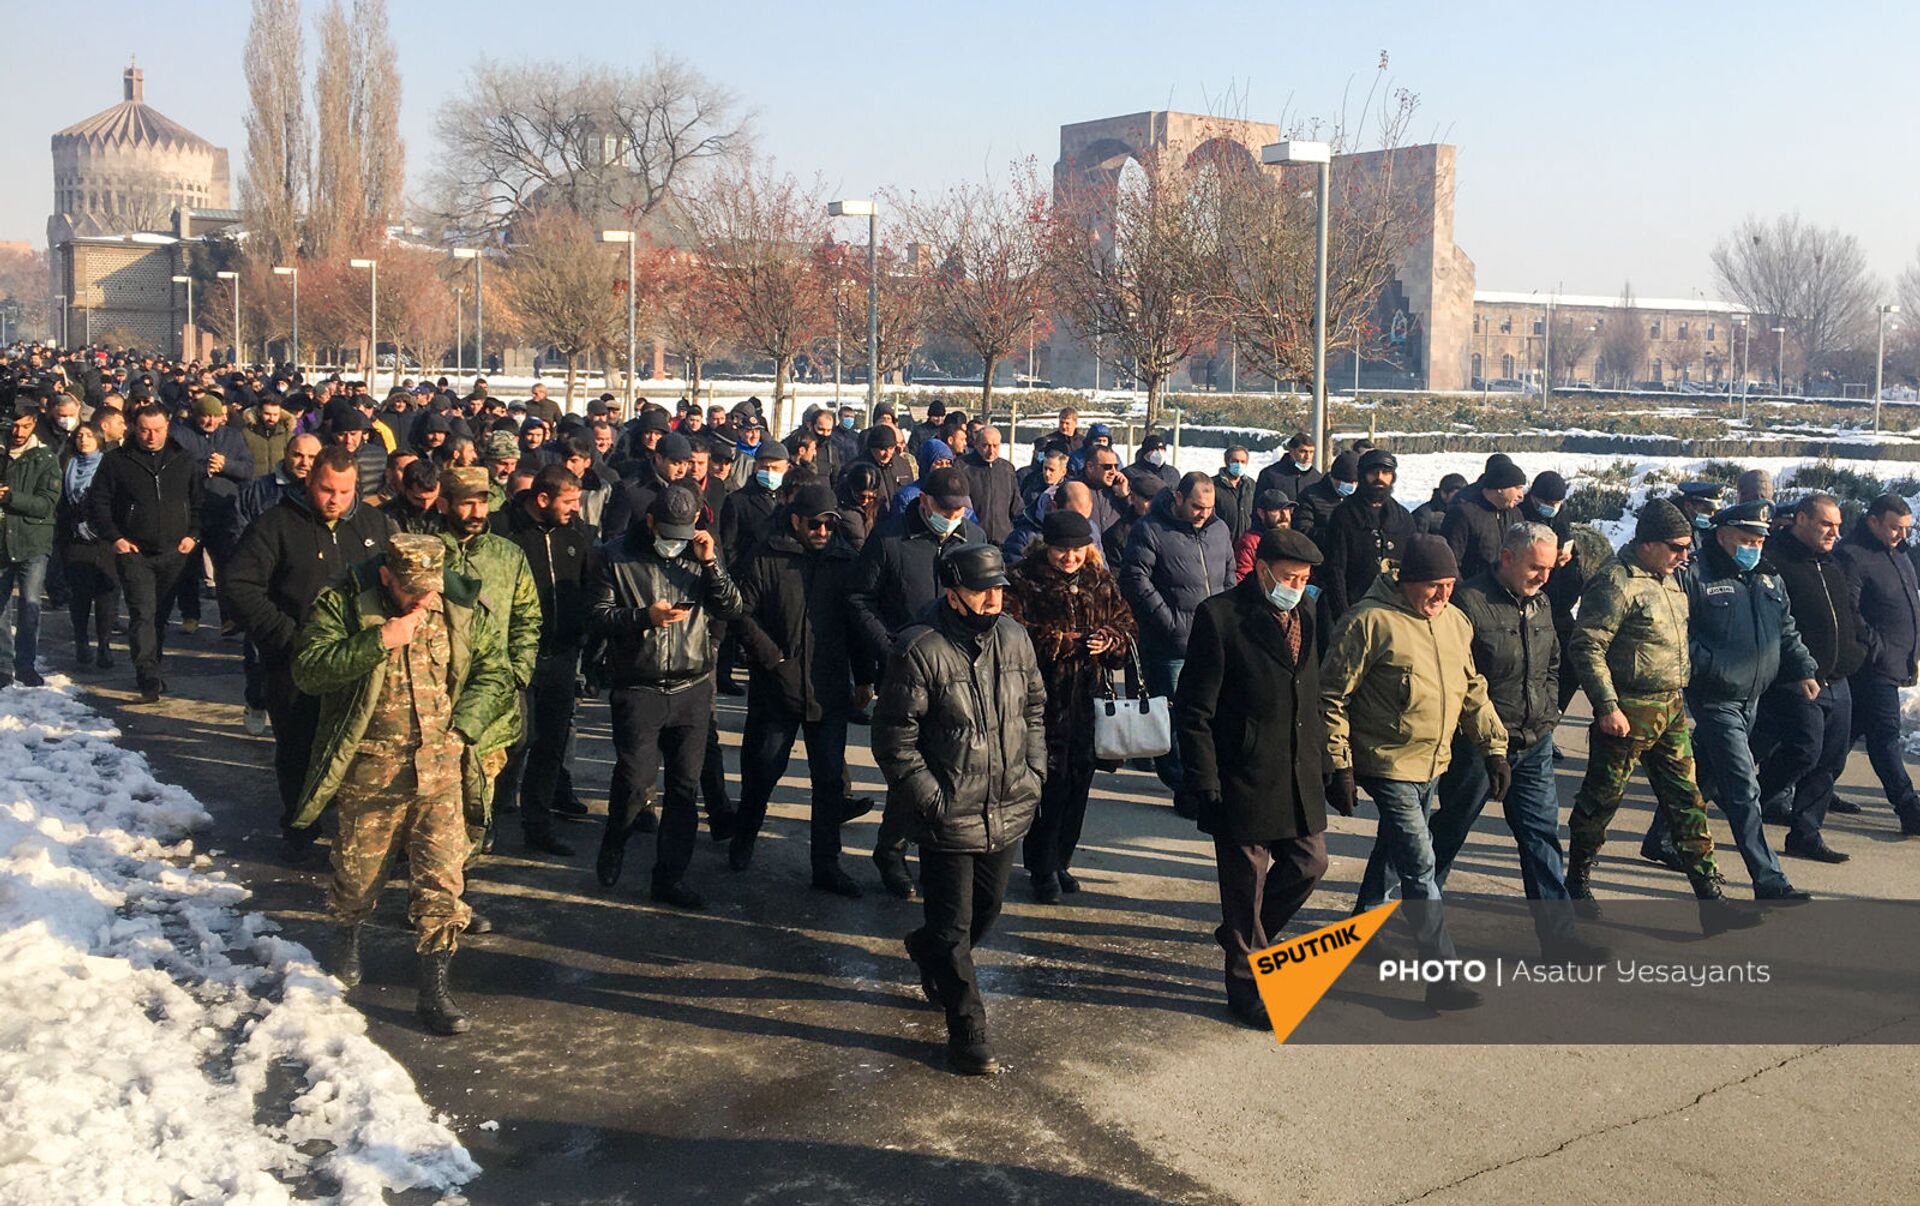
column 1313, row 592
column 1236, row 468
column 1702, row 522
column 847, row 422
column 770, row 478
column 1284, row 597
column 1747, row 556
column 1547, row 510
column 1345, row 488
column 941, row 525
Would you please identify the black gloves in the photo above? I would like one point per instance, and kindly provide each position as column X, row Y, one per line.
column 1499, row 777
column 1342, row 793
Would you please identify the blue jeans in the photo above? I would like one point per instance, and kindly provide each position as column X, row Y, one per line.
column 1163, row 675
column 29, row 578
column 1876, row 718
column 1806, row 743
column 1408, row 849
column 1723, row 760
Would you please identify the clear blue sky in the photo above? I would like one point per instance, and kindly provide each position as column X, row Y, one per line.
column 1597, row 142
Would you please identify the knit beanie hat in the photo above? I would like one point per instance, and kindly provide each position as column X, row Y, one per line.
column 1661, row 520
column 1429, row 559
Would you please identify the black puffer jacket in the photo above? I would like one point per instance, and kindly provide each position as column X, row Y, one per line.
column 1361, row 542
column 1170, row 569
column 897, row 575
column 1887, row 596
column 149, row 498
column 1233, row 503
column 1517, row 651
column 1314, row 504
column 632, row 577
column 1285, row 474
column 960, row 733
column 286, row 558
column 797, row 624
column 743, row 521
column 565, row 566
column 1474, row 529
column 1824, row 607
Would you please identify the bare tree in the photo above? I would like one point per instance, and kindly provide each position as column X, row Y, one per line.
column 986, row 247
column 1569, row 345
column 593, row 141
column 24, row 284
column 565, row 288
column 416, row 303
column 678, row 294
column 1144, row 284
column 1680, row 351
column 903, row 301
column 376, row 99
column 1623, row 342
column 274, row 186
column 757, row 232
column 336, row 218
column 1813, row 280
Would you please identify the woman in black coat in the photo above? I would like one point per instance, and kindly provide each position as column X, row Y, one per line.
column 1252, row 739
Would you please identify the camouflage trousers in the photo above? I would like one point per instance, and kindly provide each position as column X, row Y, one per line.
column 479, row 809
column 1657, row 738
column 375, row 821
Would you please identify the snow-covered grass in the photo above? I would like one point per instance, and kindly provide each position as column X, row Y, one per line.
column 157, row 1042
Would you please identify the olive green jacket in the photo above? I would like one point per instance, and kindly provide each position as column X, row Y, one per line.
column 508, row 592
column 338, row 657
column 1631, row 637
column 1395, row 685
column 32, row 479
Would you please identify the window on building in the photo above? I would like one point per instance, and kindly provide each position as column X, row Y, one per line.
column 1476, row 366
column 1653, row 329
column 1683, row 332
column 1506, row 325
column 1539, row 326
column 1709, row 332
column 1476, row 324
column 1656, row 371
column 1506, row 365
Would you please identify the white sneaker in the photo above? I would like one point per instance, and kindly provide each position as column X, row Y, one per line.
column 256, row 721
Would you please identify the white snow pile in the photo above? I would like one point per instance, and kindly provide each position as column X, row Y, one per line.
column 157, row 1044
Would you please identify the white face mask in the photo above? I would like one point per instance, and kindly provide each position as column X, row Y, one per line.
column 1156, row 458
column 669, row 549
column 66, row 422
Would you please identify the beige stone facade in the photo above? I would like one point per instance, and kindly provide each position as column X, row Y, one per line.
column 1695, row 341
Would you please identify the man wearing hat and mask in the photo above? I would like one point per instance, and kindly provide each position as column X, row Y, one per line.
column 1478, row 520
column 1743, row 639
column 1698, row 501
column 805, row 655
column 508, row 594
column 885, row 454
column 1365, row 535
column 1630, row 651
column 660, row 586
column 410, row 670
column 221, row 452
column 1253, row 740
column 1314, row 504
column 29, row 493
column 963, row 668
column 1397, row 682
column 746, row 513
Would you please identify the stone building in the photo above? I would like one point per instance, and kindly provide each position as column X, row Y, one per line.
column 1693, row 341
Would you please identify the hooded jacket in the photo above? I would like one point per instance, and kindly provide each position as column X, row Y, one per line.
column 285, row 559
column 1887, row 597
column 266, row 442
column 1170, row 568
column 1396, row 685
column 797, row 626
column 32, row 478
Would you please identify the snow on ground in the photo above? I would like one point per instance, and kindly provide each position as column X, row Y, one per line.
column 158, row 1043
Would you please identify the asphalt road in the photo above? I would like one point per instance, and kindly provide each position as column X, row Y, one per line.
column 776, row 1048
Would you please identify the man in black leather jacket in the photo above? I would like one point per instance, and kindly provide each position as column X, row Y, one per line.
column 659, row 587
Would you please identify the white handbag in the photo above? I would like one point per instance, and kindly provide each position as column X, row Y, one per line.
column 1131, row 726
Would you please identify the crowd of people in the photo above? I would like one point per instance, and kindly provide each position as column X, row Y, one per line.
column 426, row 584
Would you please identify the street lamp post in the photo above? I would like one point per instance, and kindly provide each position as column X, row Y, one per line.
column 1780, row 360
column 1319, row 154
column 60, row 300
column 459, row 331
column 294, row 272
column 865, row 208
column 188, row 282
column 627, row 237
column 233, row 283
column 1880, row 361
column 373, row 324
column 479, row 259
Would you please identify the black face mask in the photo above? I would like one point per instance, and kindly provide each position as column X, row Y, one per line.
column 975, row 623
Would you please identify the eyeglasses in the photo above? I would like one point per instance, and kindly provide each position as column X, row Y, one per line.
column 1681, row 549
column 821, row 523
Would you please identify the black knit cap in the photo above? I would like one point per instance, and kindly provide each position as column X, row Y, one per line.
column 1346, row 467
column 1661, row 520
column 1503, row 474
column 1549, row 487
column 881, row 436
column 1429, row 559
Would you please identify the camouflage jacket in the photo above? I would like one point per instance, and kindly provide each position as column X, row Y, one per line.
column 1631, row 637
column 507, row 590
column 338, row 657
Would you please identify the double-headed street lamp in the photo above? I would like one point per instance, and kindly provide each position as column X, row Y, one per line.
column 373, row 324
column 627, row 237
column 858, row 208
column 479, row 259
column 1319, row 154
column 188, row 282
column 294, row 272
column 1880, row 360
column 233, row 282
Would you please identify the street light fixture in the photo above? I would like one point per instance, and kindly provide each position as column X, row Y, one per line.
column 233, row 282
column 373, row 324
column 1880, row 361
column 865, row 208
column 1780, row 360
column 1320, row 154
column 627, row 237
column 294, row 272
column 188, row 282
column 479, row 259
column 459, row 331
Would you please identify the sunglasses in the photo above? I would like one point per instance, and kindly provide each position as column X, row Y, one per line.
column 1682, row 549
column 821, row 523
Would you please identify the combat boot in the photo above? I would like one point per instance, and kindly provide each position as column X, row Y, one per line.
column 1717, row 913
column 969, row 1054
column 436, row 1008
column 345, row 960
column 1579, row 882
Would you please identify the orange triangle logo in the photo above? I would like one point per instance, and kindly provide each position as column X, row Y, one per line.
column 1294, row 975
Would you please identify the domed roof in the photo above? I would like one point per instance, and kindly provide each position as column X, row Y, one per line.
column 133, row 123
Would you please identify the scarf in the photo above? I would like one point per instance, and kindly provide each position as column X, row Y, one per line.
column 79, row 475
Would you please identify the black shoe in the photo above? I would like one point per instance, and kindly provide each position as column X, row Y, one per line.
column 297, row 850
column 646, row 820
column 151, row 692
column 1068, row 883
column 1788, row 895
column 680, row 896
column 1445, row 996
column 436, row 1007
column 856, row 807
column 568, row 807
column 1186, row 807
column 1909, row 828
column 546, row 843
column 612, row 857
column 1576, row 950
column 1579, row 883
column 969, row 1054
column 6, row 680
column 1559, row 755
column 728, row 687
column 31, row 678
column 836, row 881
column 926, row 977
column 720, row 824
column 83, row 656
column 1665, row 856
column 893, row 873
column 345, row 961
column 740, row 851
column 1846, row 808
column 1818, row 851
column 479, row 923
column 1717, row 913
column 1252, row 1014
column 1046, row 887
column 105, row 660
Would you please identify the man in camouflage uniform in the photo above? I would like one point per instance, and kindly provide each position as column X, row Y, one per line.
column 500, row 453
column 409, row 670
column 508, row 593
column 1630, row 652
